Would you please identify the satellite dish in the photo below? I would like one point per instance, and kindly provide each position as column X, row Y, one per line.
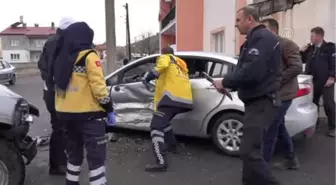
column 287, row 33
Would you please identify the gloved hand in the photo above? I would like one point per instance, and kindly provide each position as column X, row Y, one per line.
column 111, row 119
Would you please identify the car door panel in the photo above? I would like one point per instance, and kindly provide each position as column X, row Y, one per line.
column 205, row 99
column 133, row 103
column 6, row 72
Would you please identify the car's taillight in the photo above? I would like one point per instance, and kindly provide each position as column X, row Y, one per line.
column 303, row 90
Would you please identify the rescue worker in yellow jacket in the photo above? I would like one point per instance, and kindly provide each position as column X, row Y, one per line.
column 172, row 96
column 82, row 103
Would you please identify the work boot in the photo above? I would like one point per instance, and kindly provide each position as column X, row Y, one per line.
column 289, row 164
column 331, row 133
column 156, row 167
column 60, row 171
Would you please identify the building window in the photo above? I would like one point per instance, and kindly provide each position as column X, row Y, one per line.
column 218, row 42
column 37, row 56
column 40, row 43
column 15, row 56
column 14, row 42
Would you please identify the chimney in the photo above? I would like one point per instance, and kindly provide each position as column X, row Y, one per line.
column 36, row 25
column 21, row 19
column 24, row 25
column 52, row 25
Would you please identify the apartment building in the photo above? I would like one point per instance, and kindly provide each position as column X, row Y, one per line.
column 23, row 44
column 208, row 25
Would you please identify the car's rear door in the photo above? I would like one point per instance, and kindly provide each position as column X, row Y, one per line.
column 205, row 96
column 8, row 70
column 3, row 73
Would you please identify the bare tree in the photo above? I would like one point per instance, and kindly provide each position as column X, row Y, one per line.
column 145, row 44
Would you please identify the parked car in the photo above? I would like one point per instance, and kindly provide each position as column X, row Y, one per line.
column 17, row 149
column 213, row 115
column 7, row 73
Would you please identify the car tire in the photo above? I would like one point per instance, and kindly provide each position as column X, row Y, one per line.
column 13, row 80
column 227, row 133
column 12, row 167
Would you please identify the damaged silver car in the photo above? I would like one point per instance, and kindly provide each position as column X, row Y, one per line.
column 17, row 149
column 214, row 116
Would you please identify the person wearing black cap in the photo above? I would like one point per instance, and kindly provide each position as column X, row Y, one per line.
column 57, row 157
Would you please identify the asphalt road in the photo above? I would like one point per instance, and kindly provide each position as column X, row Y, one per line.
column 197, row 164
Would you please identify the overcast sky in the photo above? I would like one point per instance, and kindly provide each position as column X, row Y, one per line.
column 143, row 15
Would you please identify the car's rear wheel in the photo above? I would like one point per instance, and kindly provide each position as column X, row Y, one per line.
column 12, row 167
column 13, row 80
column 227, row 133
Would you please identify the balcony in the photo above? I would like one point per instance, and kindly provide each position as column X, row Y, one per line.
column 170, row 17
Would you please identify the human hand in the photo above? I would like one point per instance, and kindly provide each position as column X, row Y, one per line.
column 111, row 118
column 330, row 81
column 218, row 85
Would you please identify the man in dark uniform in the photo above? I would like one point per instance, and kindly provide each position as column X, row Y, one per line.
column 319, row 57
column 57, row 157
column 257, row 79
column 82, row 103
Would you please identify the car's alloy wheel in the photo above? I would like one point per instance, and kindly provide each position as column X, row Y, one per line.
column 227, row 132
column 4, row 174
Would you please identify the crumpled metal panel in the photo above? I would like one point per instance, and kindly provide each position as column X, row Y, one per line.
column 133, row 104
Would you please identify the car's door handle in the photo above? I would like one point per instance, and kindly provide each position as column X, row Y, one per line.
column 210, row 87
column 118, row 88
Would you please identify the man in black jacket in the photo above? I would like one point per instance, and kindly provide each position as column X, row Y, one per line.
column 319, row 57
column 57, row 156
column 257, row 79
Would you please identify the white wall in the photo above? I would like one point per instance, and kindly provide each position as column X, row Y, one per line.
column 217, row 14
column 24, row 56
column 307, row 15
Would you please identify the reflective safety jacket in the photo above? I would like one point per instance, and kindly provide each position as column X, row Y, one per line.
column 172, row 87
column 87, row 96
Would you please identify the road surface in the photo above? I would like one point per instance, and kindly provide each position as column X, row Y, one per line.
column 197, row 164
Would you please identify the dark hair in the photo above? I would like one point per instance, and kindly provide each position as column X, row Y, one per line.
column 318, row 30
column 125, row 61
column 167, row 50
column 251, row 11
column 272, row 23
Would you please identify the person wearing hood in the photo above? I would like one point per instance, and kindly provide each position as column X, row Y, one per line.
column 172, row 96
column 57, row 157
column 82, row 103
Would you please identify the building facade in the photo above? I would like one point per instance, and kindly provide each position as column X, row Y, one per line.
column 22, row 44
column 209, row 25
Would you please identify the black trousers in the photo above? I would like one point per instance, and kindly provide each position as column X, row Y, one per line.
column 328, row 102
column 57, row 155
column 162, row 132
column 259, row 115
column 89, row 134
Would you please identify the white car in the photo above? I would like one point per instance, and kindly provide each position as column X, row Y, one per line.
column 214, row 116
column 7, row 73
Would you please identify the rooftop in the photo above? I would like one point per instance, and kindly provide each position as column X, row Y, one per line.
column 15, row 29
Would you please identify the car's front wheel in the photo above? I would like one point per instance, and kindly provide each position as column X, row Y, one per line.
column 227, row 133
column 12, row 167
column 13, row 80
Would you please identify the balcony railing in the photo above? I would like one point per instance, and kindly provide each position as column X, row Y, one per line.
column 169, row 17
column 267, row 7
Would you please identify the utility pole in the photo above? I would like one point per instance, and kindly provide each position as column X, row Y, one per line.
column 128, row 36
column 111, row 49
